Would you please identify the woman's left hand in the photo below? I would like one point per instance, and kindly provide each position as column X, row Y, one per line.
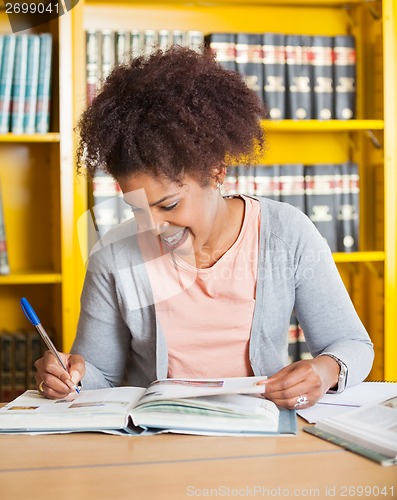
column 302, row 384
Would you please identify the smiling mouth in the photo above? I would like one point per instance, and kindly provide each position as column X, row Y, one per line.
column 174, row 241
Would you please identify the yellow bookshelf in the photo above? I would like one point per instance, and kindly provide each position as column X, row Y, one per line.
column 370, row 275
column 37, row 172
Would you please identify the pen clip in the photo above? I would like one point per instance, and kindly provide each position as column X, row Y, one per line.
column 29, row 312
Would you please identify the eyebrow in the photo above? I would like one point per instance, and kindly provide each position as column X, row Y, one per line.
column 162, row 199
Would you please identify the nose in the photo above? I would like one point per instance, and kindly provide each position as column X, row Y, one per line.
column 161, row 226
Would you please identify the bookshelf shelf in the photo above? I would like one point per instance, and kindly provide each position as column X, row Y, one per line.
column 322, row 126
column 20, row 138
column 31, row 278
column 247, row 3
column 359, row 257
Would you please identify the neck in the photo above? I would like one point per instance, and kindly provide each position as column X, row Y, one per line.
column 227, row 226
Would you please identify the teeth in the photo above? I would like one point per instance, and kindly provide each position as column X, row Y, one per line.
column 175, row 237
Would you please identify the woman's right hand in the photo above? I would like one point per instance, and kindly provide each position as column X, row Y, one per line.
column 52, row 380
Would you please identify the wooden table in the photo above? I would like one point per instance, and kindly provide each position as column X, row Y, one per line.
column 99, row 466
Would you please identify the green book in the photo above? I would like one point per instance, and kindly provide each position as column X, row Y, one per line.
column 32, row 79
column 19, row 84
column 369, row 430
column 6, row 74
column 44, row 84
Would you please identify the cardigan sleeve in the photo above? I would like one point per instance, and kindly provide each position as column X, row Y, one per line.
column 323, row 306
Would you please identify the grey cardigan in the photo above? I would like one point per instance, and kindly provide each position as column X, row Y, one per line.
column 122, row 341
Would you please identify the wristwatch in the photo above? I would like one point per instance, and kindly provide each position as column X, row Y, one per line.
column 342, row 378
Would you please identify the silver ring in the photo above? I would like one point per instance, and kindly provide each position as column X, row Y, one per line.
column 301, row 401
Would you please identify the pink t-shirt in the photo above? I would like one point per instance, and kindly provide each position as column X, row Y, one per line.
column 207, row 326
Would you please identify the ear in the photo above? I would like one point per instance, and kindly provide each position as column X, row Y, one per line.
column 219, row 173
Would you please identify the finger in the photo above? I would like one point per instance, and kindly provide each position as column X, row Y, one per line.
column 51, row 393
column 54, row 376
column 289, row 398
column 283, row 385
column 76, row 367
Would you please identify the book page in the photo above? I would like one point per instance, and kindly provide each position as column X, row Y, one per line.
column 37, row 412
column 353, row 397
column 373, row 425
column 174, row 388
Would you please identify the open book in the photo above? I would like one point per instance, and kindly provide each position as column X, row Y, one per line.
column 370, row 430
column 227, row 406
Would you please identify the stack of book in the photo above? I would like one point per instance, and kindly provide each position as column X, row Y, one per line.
column 298, row 76
column 25, row 83
column 18, row 352
column 327, row 193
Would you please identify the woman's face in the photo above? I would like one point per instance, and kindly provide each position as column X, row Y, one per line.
column 176, row 212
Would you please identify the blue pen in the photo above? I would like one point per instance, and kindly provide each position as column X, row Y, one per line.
column 34, row 319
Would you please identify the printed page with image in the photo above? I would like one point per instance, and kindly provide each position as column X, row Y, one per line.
column 193, row 406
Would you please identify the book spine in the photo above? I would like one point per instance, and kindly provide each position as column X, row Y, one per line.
column 345, row 77
column 293, row 346
column 108, row 51
column 7, row 67
column 6, row 367
column 274, row 90
column 321, row 183
column 322, row 71
column 303, row 348
column 18, row 93
column 195, row 40
column 32, row 79
column 224, row 46
column 348, row 210
column 34, row 351
column 230, row 182
column 292, row 185
column 92, row 65
column 4, row 264
column 136, row 40
column 20, row 365
column 351, row 446
column 178, row 38
column 122, row 41
column 298, row 77
column 150, row 42
column 249, row 60
column 245, row 180
column 44, row 84
column 267, row 181
column 106, row 202
column 164, row 40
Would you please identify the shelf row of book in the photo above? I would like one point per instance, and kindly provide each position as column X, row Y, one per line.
column 25, row 83
column 327, row 193
column 298, row 76
column 107, row 48
column 18, row 352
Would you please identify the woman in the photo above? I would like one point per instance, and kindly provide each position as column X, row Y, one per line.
column 197, row 284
